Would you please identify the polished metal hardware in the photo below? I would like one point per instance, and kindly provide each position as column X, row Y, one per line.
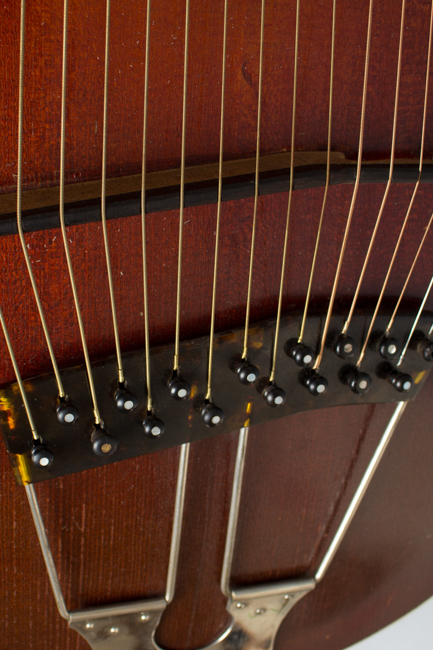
column 257, row 611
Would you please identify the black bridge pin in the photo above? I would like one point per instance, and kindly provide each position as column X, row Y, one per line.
column 345, row 346
column 274, row 395
column 247, row 373
column 66, row 412
column 41, row 455
column 316, row 384
column 425, row 348
column 302, row 354
column 179, row 388
column 212, row 415
column 389, row 348
column 125, row 400
column 401, row 381
column 359, row 382
column 153, row 426
column 102, row 443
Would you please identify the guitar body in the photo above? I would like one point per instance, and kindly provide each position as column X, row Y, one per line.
column 109, row 528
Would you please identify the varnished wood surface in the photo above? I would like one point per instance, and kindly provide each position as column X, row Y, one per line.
column 49, row 196
column 116, row 186
column 377, row 576
column 290, row 509
column 86, row 244
column 109, row 528
column 85, row 83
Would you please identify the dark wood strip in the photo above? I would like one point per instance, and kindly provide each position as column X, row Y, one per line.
column 205, row 192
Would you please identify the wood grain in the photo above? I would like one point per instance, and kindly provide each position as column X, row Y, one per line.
column 85, row 84
column 110, row 528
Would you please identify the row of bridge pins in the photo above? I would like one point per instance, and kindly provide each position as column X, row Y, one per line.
column 344, row 346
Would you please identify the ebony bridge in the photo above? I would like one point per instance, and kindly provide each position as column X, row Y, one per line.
column 75, row 444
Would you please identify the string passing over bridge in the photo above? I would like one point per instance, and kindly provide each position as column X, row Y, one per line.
column 201, row 258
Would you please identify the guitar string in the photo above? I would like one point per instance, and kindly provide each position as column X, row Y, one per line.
column 35, row 434
column 354, row 195
column 391, row 171
column 409, row 210
column 143, row 211
column 182, row 191
column 2, row 320
column 121, row 377
column 415, row 323
column 218, row 220
column 256, row 183
column 62, row 217
column 289, row 205
column 19, row 203
column 394, row 313
column 328, row 173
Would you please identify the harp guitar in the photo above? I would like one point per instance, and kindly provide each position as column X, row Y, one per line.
column 216, row 265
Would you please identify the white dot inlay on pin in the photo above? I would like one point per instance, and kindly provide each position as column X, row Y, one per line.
column 278, row 400
column 251, row 377
column 308, row 358
column 320, row 388
column 216, row 419
column 181, row 393
column 128, row 404
column 407, row 385
column 44, row 461
column 392, row 349
column 69, row 418
column 156, row 431
column 363, row 384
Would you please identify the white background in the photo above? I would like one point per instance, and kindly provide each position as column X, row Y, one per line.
column 412, row 632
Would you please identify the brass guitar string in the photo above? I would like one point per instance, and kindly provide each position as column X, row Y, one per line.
column 328, row 172
column 391, row 171
column 409, row 210
column 256, row 183
column 289, row 205
column 415, row 259
column 354, row 194
column 35, row 434
column 182, row 191
column 121, row 377
column 97, row 416
column 143, row 211
column 415, row 323
column 208, row 396
column 19, row 202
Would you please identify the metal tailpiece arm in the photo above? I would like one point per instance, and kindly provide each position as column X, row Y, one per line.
column 257, row 611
